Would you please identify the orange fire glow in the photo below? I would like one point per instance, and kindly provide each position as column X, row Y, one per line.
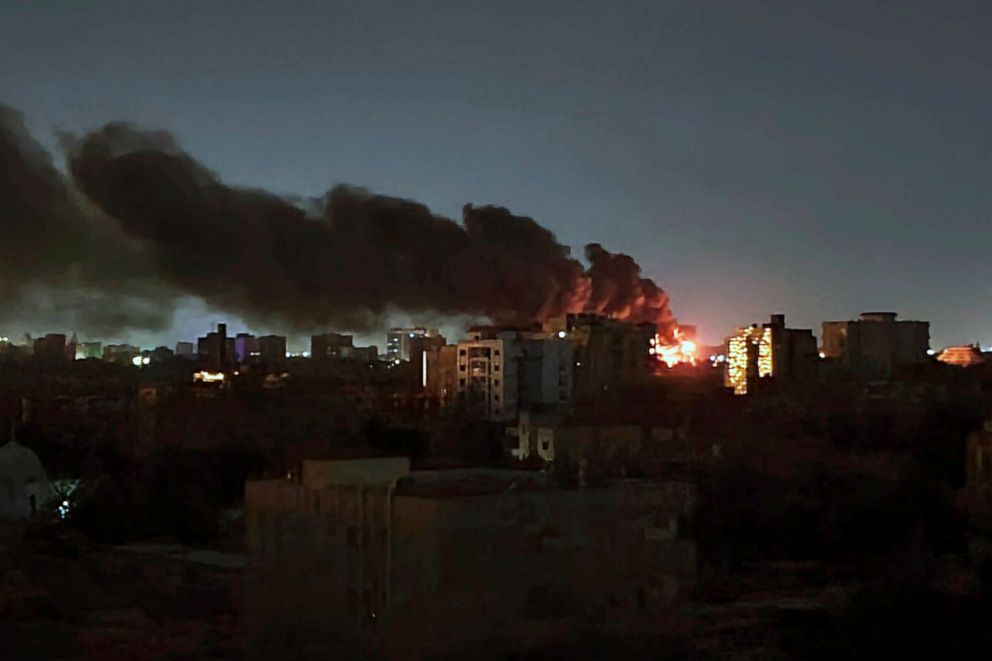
column 675, row 351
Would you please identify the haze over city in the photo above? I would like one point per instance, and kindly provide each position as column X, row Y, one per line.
column 815, row 159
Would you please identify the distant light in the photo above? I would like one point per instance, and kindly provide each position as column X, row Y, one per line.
column 208, row 377
column 306, row 354
column 136, row 361
column 412, row 335
column 561, row 334
column 930, row 352
column 288, row 354
column 823, row 355
column 396, row 362
column 146, row 360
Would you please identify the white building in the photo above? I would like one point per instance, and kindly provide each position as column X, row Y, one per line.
column 23, row 482
column 501, row 372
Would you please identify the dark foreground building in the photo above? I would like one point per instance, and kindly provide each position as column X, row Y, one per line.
column 366, row 557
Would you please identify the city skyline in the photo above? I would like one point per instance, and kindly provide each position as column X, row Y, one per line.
column 818, row 161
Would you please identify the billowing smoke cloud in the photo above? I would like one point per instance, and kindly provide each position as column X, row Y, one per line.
column 60, row 258
column 341, row 261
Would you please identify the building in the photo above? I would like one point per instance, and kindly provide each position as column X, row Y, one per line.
column 23, row 482
column 272, row 350
column 369, row 354
column 488, row 372
column 52, row 348
column 964, row 356
column 442, row 377
column 329, row 346
column 245, row 347
column 85, row 350
column 185, row 350
column 368, row 558
column 216, row 349
column 876, row 344
column 608, row 353
column 399, row 345
column 771, row 351
column 121, row 354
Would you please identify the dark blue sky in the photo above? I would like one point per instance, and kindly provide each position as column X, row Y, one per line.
column 811, row 158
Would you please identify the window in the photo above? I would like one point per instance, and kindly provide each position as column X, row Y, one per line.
column 496, row 382
column 495, row 398
column 495, row 368
column 461, row 352
column 461, row 382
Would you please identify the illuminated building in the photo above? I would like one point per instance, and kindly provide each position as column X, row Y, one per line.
column 122, row 354
column 965, row 356
column 86, row 350
column 772, row 350
column 401, row 342
column 876, row 343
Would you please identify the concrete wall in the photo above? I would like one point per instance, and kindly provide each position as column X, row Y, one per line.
column 363, row 569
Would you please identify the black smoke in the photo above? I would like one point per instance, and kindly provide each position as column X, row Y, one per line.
column 139, row 219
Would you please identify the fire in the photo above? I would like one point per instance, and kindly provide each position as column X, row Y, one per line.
column 677, row 350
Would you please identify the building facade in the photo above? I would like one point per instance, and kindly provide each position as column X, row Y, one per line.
column 770, row 351
column 401, row 342
column 877, row 343
column 365, row 557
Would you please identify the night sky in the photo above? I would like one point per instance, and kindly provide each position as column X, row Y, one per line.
column 817, row 159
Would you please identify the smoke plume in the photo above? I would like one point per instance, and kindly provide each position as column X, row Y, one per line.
column 139, row 219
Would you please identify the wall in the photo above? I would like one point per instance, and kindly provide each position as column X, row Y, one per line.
column 364, row 569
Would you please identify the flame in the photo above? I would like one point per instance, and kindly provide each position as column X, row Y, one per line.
column 674, row 351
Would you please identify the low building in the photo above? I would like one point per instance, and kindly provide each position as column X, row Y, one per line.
column 23, row 482
column 366, row 557
column 964, row 356
column 583, row 449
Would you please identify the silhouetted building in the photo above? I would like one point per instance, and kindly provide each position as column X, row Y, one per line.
column 328, row 346
column 876, row 343
column 185, row 350
column 121, row 354
column 272, row 350
column 608, row 353
column 52, row 348
column 216, row 349
column 245, row 347
column 442, row 376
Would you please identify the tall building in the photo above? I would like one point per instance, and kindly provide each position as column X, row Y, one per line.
column 488, row 364
column 875, row 344
column 245, row 347
column 441, row 378
column 401, row 342
column 217, row 349
column 51, row 348
column 608, row 353
column 772, row 350
column 330, row 345
column 185, row 350
column 272, row 350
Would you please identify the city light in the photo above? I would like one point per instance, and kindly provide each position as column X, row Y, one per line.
column 208, row 377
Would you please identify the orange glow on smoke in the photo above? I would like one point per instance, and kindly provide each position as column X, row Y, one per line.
column 675, row 351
